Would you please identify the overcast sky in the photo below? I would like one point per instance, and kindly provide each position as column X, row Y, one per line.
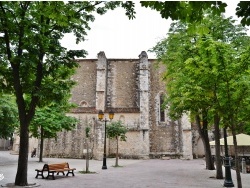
column 120, row 37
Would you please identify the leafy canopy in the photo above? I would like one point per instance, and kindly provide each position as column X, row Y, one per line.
column 116, row 129
column 194, row 11
column 188, row 11
column 207, row 72
column 51, row 119
column 33, row 64
column 8, row 116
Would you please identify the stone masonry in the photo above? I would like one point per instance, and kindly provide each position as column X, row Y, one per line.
column 132, row 88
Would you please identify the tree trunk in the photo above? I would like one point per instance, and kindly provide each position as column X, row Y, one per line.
column 116, row 159
column 237, row 168
column 218, row 162
column 87, row 156
column 208, row 155
column 21, row 175
column 204, row 136
column 41, row 146
column 22, row 168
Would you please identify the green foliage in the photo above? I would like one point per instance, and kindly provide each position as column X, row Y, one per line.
column 8, row 116
column 87, row 131
column 188, row 11
column 208, row 75
column 52, row 119
column 34, row 65
column 194, row 11
column 208, row 71
column 243, row 10
column 116, row 129
column 88, row 172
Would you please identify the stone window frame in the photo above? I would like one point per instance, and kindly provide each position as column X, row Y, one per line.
column 162, row 114
column 78, row 124
column 165, row 120
column 83, row 103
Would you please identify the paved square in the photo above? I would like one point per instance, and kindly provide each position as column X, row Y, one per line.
column 134, row 173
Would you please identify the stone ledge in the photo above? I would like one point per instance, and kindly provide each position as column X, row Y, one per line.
column 93, row 110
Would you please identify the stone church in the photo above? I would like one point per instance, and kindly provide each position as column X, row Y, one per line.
column 134, row 90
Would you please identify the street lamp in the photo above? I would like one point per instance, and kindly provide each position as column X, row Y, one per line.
column 228, row 179
column 100, row 117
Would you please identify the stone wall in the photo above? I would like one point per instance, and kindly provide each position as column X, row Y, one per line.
column 131, row 148
column 122, row 89
column 5, row 144
column 132, row 89
column 165, row 137
column 33, row 143
column 73, row 143
column 186, row 137
column 84, row 93
column 134, row 147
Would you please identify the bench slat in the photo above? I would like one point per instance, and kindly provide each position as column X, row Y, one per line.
column 57, row 166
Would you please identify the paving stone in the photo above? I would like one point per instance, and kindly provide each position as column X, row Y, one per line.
column 150, row 173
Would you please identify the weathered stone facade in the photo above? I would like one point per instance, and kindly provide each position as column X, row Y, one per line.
column 132, row 88
column 5, row 144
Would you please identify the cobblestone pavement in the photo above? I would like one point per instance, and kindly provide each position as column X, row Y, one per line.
column 153, row 173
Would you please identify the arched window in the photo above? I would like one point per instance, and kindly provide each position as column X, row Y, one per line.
column 161, row 109
column 122, row 119
column 83, row 104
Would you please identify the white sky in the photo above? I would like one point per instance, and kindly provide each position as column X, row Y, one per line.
column 120, row 37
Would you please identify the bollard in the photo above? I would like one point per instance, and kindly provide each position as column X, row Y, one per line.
column 243, row 164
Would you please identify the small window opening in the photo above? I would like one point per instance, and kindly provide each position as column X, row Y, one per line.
column 162, row 111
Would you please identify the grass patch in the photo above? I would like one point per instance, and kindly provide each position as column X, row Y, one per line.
column 88, row 172
column 117, row 166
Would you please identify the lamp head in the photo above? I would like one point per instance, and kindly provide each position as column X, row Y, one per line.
column 111, row 115
column 100, row 115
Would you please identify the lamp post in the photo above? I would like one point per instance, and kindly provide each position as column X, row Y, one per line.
column 100, row 117
column 228, row 179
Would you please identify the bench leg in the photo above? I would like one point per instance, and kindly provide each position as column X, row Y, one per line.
column 61, row 172
column 39, row 173
column 50, row 174
column 70, row 172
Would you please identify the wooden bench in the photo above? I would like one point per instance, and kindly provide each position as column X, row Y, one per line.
column 55, row 168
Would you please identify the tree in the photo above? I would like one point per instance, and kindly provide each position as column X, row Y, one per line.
column 188, row 11
column 116, row 130
column 234, row 93
column 218, row 58
column 242, row 10
column 8, row 116
column 34, row 65
column 87, row 133
column 182, row 95
column 206, row 74
column 48, row 121
column 194, row 11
